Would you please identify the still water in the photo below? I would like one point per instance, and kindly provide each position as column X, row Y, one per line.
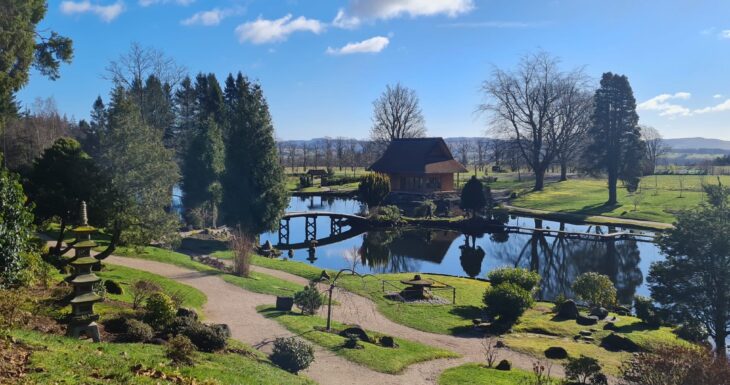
column 558, row 260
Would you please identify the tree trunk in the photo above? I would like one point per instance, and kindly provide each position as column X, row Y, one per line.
column 59, row 241
column 720, row 342
column 612, row 181
column 539, row 179
column 563, row 170
column 112, row 245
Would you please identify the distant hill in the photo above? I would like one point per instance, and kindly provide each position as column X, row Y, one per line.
column 698, row 143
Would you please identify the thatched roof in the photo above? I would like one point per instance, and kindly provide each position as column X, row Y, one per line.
column 417, row 156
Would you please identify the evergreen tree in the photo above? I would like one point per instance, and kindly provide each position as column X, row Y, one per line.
column 157, row 109
column 185, row 109
column 62, row 177
column 16, row 228
column 202, row 169
column 473, row 198
column 615, row 144
column 254, row 195
column 142, row 174
column 96, row 127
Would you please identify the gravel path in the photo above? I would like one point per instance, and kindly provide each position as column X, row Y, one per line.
column 237, row 307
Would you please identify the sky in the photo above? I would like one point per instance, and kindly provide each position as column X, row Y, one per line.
column 322, row 62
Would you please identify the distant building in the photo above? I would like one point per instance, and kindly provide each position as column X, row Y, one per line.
column 420, row 165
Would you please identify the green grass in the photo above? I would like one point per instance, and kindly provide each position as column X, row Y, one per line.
column 61, row 360
column 476, row 374
column 660, row 197
column 381, row 359
column 256, row 282
column 126, row 277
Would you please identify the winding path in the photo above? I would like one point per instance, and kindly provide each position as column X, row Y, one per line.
column 236, row 307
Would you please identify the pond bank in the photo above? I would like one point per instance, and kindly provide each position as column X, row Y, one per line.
column 588, row 219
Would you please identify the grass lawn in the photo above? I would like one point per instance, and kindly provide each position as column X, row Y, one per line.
column 375, row 357
column 126, row 277
column 257, row 282
column 61, row 360
column 659, row 200
column 476, row 374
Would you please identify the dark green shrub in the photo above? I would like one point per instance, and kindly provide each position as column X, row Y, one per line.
column 292, row 354
column 118, row 324
column 507, row 301
column 138, row 331
column 179, row 324
column 159, row 311
column 646, row 311
column 692, row 332
column 472, row 196
column 205, row 338
column 389, row 214
column 112, row 287
column 180, row 350
column 596, row 289
column 584, row 371
column 309, row 299
column 426, row 209
column 523, row 278
column 373, row 188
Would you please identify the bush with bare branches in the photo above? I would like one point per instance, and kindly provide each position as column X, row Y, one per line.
column 676, row 365
column 242, row 245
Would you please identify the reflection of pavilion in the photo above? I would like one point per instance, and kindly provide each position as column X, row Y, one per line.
column 395, row 251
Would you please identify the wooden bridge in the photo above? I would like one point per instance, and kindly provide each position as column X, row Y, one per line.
column 588, row 236
column 337, row 223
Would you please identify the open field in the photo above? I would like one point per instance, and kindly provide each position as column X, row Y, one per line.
column 659, row 198
column 378, row 358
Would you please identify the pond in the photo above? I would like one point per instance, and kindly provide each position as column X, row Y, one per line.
column 558, row 260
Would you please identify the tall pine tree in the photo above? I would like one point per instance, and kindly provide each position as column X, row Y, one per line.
column 615, row 146
column 254, row 196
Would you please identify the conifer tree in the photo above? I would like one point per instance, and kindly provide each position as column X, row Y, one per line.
column 254, row 196
column 202, row 169
column 615, row 146
column 185, row 118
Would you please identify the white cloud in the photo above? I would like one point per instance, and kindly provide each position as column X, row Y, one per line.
column 661, row 103
column 208, row 18
column 724, row 106
column 724, row 34
column 147, row 3
column 263, row 31
column 372, row 45
column 386, row 9
column 717, row 96
column 344, row 21
column 105, row 12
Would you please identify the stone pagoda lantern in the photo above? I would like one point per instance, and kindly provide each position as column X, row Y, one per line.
column 83, row 319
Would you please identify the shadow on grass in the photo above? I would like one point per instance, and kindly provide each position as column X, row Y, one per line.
column 201, row 246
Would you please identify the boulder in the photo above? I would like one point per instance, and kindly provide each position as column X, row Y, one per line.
column 187, row 312
column 622, row 310
column 284, row 303
column 357, row 331
column 504, row 365
column 586, row 320
column 388, row 342
column 568, row 310
column 616, row 343
column 157, row 341
column 500, row 344
column 556, row 353
column 599, row 312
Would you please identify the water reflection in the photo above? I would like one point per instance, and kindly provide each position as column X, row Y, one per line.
column 558, row 259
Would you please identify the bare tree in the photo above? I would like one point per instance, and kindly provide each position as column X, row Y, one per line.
column 340, row 148
column 328, row 152
column 481, row 146
column 139, row 63
column 397, row 115
column 305, row 147
column 526, row 103
column 292, row 155
column 574, row 108
column 655, row 146
column 315, row 148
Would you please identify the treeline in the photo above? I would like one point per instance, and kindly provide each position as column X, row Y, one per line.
column 329, row 153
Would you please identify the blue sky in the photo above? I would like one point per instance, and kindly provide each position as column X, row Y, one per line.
column 323, row 62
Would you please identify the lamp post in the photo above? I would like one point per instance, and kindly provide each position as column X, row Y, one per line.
column 326, row 277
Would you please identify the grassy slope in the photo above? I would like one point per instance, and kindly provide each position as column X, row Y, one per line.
column 257, row 282
column 660, row 197
column 385, row 360
column 62, row 360
column 475, row 374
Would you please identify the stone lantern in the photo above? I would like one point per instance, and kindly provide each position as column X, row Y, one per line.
column 83, row 319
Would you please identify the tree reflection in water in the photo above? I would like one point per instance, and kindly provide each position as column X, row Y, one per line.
column 560, row 260
column 402, row 251
column 471, row 257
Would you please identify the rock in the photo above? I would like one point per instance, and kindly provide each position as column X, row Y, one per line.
column 568, row 310
column 222, row 329
column 157, row 341
column 599, row 312
column 112, row 287
column 588, row 338
column 556, row 353
column 356, row 330
column 388, row 342
column 187, row 312
column 586, row 320
column 585, row 332
column 610, row 326
column 284, row 303
column 616, row 343
column 504, row 365
column 622, row 310
column 500, row 344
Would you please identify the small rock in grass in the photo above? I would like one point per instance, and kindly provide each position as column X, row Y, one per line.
column 500, row 344
column 585, row 332
column 556, row 353
column 504, row 365
column 586, row 320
